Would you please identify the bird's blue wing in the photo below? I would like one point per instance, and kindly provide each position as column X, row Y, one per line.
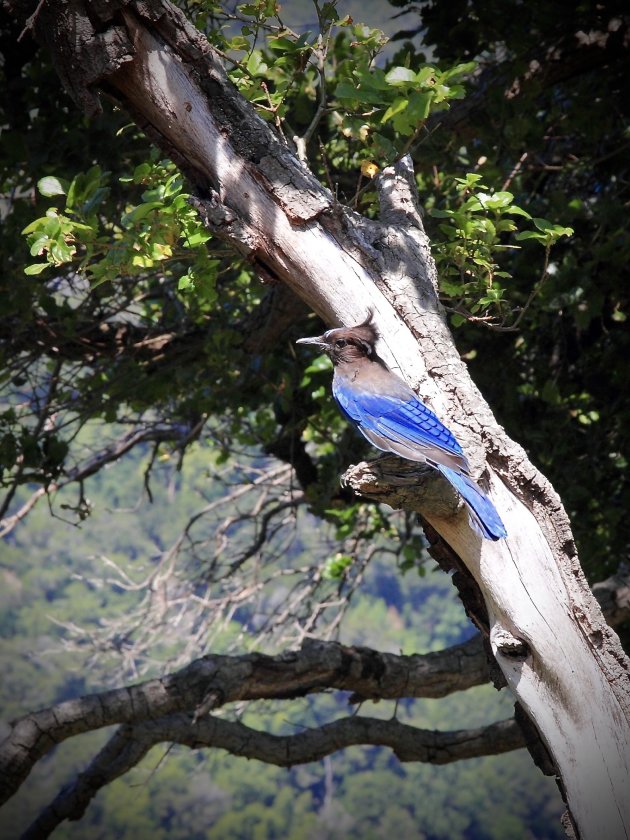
column 404, row 426
column 415, row 423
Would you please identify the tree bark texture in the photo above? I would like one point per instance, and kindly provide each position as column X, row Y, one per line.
column 131, row 744
column 214, row 681
column 563, row 663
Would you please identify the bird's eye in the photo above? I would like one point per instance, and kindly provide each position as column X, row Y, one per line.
column 341, row 342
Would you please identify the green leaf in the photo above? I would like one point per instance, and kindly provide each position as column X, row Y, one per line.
column 368, row 94
column 335, row 566
column 196, row 239
column 496, row 201
column 173, row 186
column 515, row 210
column 397, row 106
column 282, row 44
column 471, row 180
column 530, row 234
column 459, row 70
column 345, row 90
column 555, row 231
column 34, row 225
column 255, row 64
column 420, row 106
column 319, row 364
column 426, row 74
column 457, row 320
column 61, row 252
column 35, row 268
column 155, row 194
column 50, row 186
column 140, row 212
column 39, row 244
column 141, row 172
column 398, row 76
column 142, row 261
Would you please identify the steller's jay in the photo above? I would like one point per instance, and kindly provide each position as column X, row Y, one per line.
column 390, row 415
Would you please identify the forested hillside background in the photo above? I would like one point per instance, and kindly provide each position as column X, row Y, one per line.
column 57, row 576
column 541, row 321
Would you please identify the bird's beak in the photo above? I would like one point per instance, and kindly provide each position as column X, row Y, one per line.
column 319, row 340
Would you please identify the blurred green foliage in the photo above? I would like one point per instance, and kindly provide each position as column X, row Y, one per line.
column 51, row 576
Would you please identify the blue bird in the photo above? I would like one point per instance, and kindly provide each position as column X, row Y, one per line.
column 389, row 414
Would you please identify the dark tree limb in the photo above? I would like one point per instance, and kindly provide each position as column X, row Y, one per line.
column 212, row 681
column 131, row 743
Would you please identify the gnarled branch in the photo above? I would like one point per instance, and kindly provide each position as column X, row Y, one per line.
column 131, row 743
column 317, row 666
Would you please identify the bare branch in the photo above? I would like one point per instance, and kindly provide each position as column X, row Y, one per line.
column 130, row 744
column 92, row 465
column 213, row 681
column 317, row 666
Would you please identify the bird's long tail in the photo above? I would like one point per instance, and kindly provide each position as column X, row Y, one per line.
column 484, row 518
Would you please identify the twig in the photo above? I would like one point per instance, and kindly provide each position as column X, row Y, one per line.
column 30, row 22
column 92, row 465
column 535, row 290
column 39, row 426
column 302, row 142
column 517, row 167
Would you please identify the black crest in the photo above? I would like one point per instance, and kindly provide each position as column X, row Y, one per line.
column 346, row 344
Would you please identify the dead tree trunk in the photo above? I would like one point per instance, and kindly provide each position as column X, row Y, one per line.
column 547, row 633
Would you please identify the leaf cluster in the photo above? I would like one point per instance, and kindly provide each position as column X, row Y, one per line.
column 539, row 127
column 474, row 229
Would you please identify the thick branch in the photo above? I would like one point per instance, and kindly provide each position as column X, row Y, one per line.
column 130, row 744
column 216, row 680
column 213, row 681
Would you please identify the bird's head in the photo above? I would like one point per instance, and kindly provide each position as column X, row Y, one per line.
column 348, row 344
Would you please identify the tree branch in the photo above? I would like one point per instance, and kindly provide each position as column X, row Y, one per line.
column 317, row 666
column 97, row 461
column 408, row 743
column 213, row 681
